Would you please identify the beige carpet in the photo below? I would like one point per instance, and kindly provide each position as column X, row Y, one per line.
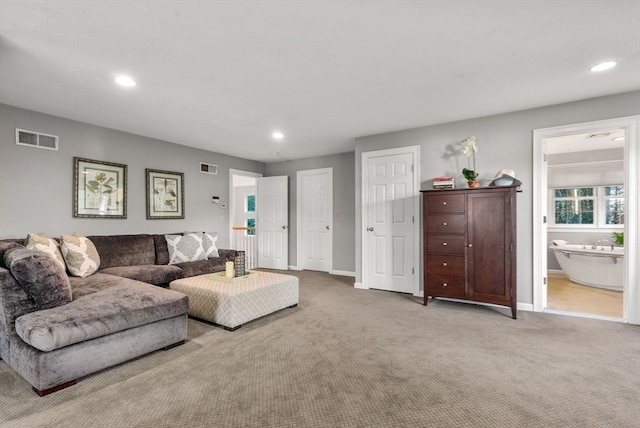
column 356, row 358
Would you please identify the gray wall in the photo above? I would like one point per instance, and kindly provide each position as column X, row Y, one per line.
column 344, row 214
column 504, row 141
column 36, row 184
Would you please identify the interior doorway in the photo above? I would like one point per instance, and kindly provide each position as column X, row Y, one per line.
column 585, row 189
column 243, row 213
column 585, row 212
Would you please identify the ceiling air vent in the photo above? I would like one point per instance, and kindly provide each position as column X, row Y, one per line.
column 36, row 139
column 207, row 168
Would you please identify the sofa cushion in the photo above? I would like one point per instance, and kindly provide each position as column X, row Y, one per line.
column 124, row 250
column 45, row 243
column 202, row 267
column 6, row 244
column 120, row 307
column 162, row 250
column 40, row 275
column 151, row 274
column 185, row 248
column 80, row 254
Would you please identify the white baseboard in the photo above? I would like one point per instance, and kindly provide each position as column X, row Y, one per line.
column 342, row 273
column 525, row 307
column 360, row 286
column 294, row 268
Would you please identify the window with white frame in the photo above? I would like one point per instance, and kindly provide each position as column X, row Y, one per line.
column 587, row 206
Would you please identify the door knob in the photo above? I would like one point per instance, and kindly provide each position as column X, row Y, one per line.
column 327, row 227
column 370, row 228
column 284, row 227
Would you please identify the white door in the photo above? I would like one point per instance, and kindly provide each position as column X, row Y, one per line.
column 272, row 224
column 315, row 219
column 390, row 211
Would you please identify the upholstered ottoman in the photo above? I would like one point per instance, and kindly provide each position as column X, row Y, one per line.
column 231, row 304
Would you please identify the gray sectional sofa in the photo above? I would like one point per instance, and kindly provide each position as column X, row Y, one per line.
column 80, row 325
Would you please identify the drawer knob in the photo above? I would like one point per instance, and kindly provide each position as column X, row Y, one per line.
column 444, row 264
column 444, row 223
column 445, row 284
column 444, row 243
column 444, row 203
column 470, row 245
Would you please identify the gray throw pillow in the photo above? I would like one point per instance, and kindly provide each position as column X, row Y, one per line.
column 186, row 248
column 209, row 241
column 40, row 275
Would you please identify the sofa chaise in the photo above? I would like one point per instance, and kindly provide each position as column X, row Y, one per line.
column 56, row 327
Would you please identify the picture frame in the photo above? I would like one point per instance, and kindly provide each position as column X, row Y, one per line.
column 165, row 194
column 99, row 189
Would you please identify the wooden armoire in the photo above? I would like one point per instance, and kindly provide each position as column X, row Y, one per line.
column 470, row 245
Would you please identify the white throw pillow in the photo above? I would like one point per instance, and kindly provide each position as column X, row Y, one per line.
column 209, row 241
column 80, row 254
column 46, row 244
column 187, row 248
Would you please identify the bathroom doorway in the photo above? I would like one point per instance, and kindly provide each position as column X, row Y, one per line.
column 585, row 217
column 585, row 202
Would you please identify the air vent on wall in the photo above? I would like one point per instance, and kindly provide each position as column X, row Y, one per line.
column 36, row 139
column 208, row 168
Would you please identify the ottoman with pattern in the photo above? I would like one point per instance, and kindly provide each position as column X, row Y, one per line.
column 231, row 304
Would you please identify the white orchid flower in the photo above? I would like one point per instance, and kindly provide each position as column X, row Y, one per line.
column 468, row 146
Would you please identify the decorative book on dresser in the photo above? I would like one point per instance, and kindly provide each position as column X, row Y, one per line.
column 470, row 245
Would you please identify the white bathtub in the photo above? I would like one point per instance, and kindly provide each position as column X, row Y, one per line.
column 601, row 267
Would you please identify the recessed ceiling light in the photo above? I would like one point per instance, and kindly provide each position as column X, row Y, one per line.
column 277, row 135
column 127, row 81
column 603, row 66
column 275, row 153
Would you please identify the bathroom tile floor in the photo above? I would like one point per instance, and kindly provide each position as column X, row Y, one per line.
column 564, row 295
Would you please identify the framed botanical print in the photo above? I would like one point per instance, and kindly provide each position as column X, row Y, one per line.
column 165, row 194
column 99, row 189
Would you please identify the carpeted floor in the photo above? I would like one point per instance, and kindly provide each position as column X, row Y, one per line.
column 361, row 358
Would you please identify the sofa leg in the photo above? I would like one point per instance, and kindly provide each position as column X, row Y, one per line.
column 43, row 392
column 166, row 348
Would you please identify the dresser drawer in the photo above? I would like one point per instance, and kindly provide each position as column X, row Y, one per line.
column 445, row 244
column 446, row 223
column 445, row 265
column 445, row 203
column 445, row 286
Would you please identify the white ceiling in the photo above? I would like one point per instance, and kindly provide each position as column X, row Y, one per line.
column 222, row 75
column 601, row 140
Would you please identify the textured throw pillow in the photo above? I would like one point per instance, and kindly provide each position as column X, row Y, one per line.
column 209, row 241
column 186, row 248
column 80, row 254
column 45, row 243
column 40, row 275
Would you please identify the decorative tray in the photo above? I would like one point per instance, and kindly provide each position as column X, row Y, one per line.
column 221, row 276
